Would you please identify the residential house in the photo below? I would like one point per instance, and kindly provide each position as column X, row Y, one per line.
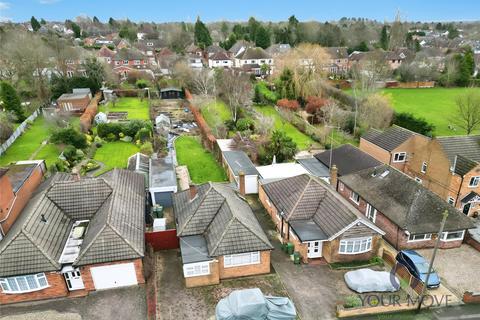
column 17, row 184
column 105, row 54
column 194, row 61
column 220, row 237
column 75, row 102
column 127, row 60
column 220, row 60
column 347, row 159
column 338, row 63
column 76, row 236
column 241, row 171
column 121, row 44
column 391, row 146
column 251, row 60
column 193, row 49
column 212, row 50
column 450, row 167
column 278, row 49
column 396, row 57
column 279, row 171
column 240, row 46
column 315, row 168
column 318, row 221
column 409, row 213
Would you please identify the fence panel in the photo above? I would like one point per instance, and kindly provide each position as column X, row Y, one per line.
column 18, row 132
column 162, row 240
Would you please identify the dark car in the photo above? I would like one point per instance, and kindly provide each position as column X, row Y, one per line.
column 418, row 267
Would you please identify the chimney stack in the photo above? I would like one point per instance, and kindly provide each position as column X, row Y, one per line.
column 193, row 191
column 75, row 174
column 241, row 187
column 334, row 176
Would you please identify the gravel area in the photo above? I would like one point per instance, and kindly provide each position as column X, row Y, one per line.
column 457, row 267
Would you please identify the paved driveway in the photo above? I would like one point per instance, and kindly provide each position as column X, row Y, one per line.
column 125, row 303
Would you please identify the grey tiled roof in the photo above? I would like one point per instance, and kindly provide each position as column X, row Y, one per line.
column 253, row 53
column 222, row 217
column 389, row 139
column 404, row 201
column 303, row 198
column 115, row 232
column 348, row 159
column 239, row 161
column 314, row 167
column 467, row 148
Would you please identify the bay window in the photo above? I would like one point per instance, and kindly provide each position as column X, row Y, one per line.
column 354, row 246
column 242, row 259
column 23, row 284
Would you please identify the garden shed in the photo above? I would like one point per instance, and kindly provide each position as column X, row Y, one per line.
column 172, row 93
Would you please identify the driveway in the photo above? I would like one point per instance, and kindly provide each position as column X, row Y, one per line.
column 124, row 303
column 457, row 267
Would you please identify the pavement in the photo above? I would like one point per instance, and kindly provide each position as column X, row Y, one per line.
column 123, row 303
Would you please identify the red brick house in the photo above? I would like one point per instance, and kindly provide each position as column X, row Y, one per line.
column 220, row 237
column 409, row 213
column 318, row 221
column 17, row 184
column 76, row 236
column 75, row 102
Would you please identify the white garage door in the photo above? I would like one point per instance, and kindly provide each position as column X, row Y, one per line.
column 114, row 276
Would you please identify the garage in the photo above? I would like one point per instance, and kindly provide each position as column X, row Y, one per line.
column 114, row 276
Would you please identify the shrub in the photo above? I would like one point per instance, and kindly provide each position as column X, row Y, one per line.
column 70, row 153
column 141, row 83
column 61, row 166
column 263, row 94
column 314, row 104
column 69, row 136
column 410, row 122
column 111, row 137
column 132, row 127
column 288, row 104
column 143, row 135
column 147, row 148
column 245, row 124
column 352, row 301
column 104, row 129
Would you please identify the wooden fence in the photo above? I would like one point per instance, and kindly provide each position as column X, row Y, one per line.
column 162, row 240
column 208, row 138
column 415, row 286
column 18, row 132
column 410, row 85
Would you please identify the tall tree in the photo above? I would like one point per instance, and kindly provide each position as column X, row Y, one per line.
column 43, row 22
column 262, row 37
column 224, row 30
column 112, row 22
column 237, row 90
column 96, row 21
column 252, row 28
column 384, row 38
column 95, row 72
column 468, row 111
column 11, row 101
column 202, row 35
column 35, row 24
column 281, row 146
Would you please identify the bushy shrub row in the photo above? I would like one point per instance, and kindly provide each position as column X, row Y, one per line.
column 69, row 136
column 115, row 130
column 263, row 94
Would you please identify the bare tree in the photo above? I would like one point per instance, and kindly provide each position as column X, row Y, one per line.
column 370, row 70
column 237, row 91
column 468, row 111
column 264, row 125
column 376, row 111
column 183, row 74
column 202, row 82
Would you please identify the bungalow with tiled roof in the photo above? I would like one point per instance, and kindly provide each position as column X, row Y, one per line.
column 76, row 236
column 252, row 59
column 318, row 221
column 220, row 237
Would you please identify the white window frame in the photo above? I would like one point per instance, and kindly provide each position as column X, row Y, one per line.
column 341, row 186
column 451, row 200
column 474, row 182
column 418, row 180
column 6, row 283
column 136, row 62
column 445, row 235
column 397, row 155
column 424, row 167
column 371, row 217
column 254, row 259
column 417, row 237
column 358, row 242
column 203, row 269
column 352, row 194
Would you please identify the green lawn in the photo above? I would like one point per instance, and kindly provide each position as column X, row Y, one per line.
column 303, row 141
column 436, row 105
column 215, row 113
column 136, row 109
column 29, row 142
column 201, row 164
column 115, row 154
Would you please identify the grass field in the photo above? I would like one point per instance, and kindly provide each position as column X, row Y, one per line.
column 136, row 109
column 201, row 164
column 215, row 113
column 115, row 154
column 436, row 105
column 30, row 142
column 302, row 140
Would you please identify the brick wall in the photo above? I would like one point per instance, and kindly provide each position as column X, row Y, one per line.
column 375, row 151
column 57, row 288
column 23, row 195
column 331, row 253
column 248, row 270
column 76, row 104
column 212, row 278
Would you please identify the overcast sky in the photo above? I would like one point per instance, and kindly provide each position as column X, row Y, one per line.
column 240, row 10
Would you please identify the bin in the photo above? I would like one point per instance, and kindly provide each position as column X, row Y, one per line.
column 290, row 248
column 296, row 257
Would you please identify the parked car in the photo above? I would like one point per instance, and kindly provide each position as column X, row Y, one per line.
column 418, row 267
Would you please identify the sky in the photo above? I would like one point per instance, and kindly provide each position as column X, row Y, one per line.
column 240, row 10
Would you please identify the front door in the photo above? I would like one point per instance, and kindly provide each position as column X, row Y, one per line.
column 74, row 280
column 466, row 208
column 314, row 249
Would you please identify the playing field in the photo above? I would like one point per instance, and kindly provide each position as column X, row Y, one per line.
column 436, row 105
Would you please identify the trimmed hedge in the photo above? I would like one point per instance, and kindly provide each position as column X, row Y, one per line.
column 264, row 95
